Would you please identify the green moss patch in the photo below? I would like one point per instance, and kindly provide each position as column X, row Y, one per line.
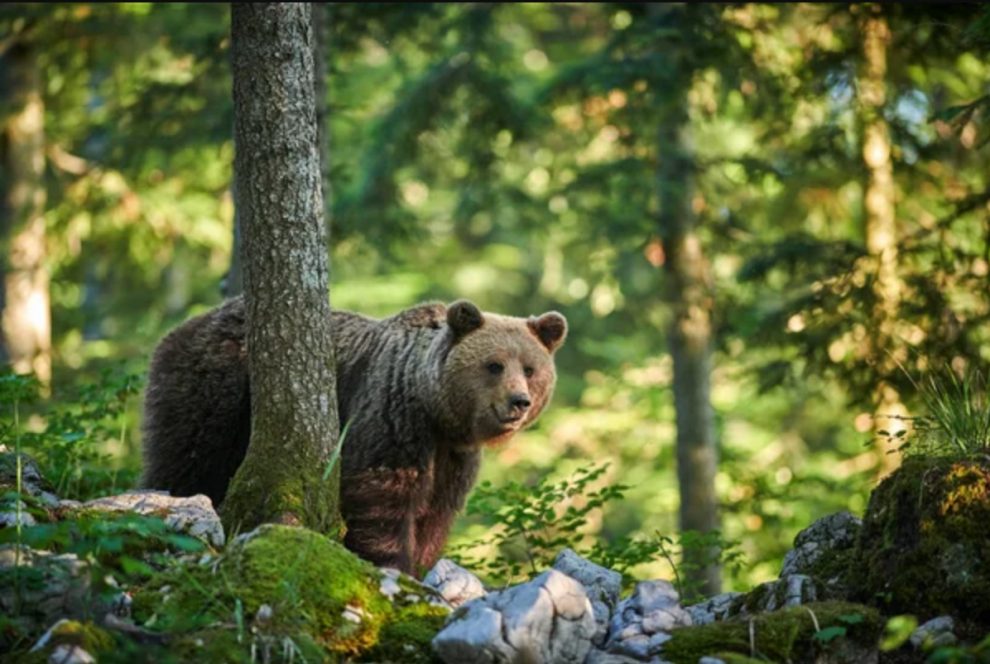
column 319, row 598
column 925, row 544
column 407, row 636
column 779, row 636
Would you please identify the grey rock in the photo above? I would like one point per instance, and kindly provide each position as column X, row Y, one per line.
column 70, row 654
column 453, row 583
column 711, row 660
column 32, row 484
column 629, row 630
column 192, row 516
column 548, row 619
column 389, row 586
column 714, row 609
column 657, row 641
column 10, row 517
column 637, row 647
column 661, row 620
column 834, row 532
column 60, row 586
column 602, row 585
column 936, row 632
column 474, row 636
column 650, row 595
column 641, row 624
column 602, row 657
column 791, row 590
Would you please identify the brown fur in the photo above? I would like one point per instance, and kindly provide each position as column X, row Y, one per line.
column 416, row 391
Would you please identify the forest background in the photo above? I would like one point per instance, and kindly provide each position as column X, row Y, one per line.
column 823, row 167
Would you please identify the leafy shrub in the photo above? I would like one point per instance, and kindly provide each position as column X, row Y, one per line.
column 69, row 447
column 532, row 524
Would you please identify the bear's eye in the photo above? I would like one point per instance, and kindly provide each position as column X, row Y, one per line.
column 494, row 368
column 528, row 372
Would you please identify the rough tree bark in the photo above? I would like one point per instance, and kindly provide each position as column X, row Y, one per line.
column 26, row 338
column 689, row 292
column 321, row 37
column 294, row 421
column 880, row 230
column 233, row 282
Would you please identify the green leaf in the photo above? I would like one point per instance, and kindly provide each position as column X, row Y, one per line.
column 133, row 566
column 897, row 631
column 830, row 633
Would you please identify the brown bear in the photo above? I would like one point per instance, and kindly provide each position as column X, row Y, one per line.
column 420, row 394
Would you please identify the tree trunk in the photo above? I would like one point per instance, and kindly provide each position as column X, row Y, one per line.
column 27, row 336
column 321, row 35
column 880, row 230
column 294, row 424
column 233, row 282
column 690, row 338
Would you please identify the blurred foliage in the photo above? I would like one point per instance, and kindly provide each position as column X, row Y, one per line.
column 506, row 153
column 77, row 443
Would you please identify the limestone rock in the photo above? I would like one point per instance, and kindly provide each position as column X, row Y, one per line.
column 787, row 591
column 714, row 609
column 548, row 619
column 70, row 654
column 58, row 587
column 454, row 583
column 32, row 484
column 936, row 632
column 602, row 585
column 641, row 625
column 192, row 516
column 835, row 532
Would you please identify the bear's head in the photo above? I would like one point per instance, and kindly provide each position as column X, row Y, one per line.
column 499, row 372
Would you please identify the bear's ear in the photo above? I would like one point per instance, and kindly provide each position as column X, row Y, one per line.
column 550, row 328
column 464, row 317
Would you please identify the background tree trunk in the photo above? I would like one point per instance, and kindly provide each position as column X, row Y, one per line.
column 690, row 338
column 294, row 419
column 27, row 336
column 880, row 229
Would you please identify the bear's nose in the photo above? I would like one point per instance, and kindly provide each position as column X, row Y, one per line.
column 519, row 401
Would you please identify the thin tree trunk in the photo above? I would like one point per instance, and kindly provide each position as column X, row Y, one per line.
column 690, row 338
column 27, row 337
column 881, row 230
column 294, row 421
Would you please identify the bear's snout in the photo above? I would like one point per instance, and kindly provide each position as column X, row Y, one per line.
column 519, row 403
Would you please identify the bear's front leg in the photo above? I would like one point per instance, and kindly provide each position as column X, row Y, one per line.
column 380, row 507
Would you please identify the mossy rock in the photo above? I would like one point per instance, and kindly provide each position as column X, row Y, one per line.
column 84, row 634
column 407, row 635
column 845, row 633
column 324, row 603
column 924, row 548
